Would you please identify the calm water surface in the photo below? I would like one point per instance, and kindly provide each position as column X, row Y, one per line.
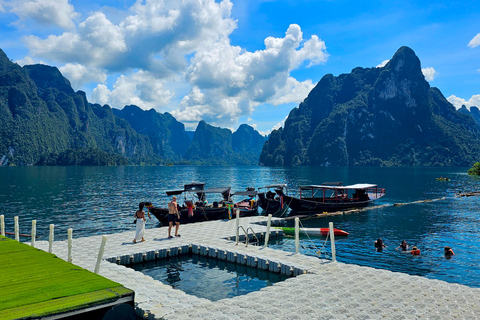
column 102, row 200
column 208, row 278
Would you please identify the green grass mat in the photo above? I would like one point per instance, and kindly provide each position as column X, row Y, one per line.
column 34, row 281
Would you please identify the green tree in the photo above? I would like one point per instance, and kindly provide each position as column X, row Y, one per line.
column 475, row 170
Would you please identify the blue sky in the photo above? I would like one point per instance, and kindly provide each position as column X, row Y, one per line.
column 234, row 62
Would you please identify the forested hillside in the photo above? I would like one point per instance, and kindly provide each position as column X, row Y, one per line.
column 386, row 116
column 41, row 116
column 43, row 121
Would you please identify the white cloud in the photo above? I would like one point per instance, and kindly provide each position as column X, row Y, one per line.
column 213, row 108
column 280, row 124
column 25, row 61
column 190, row 116
column 98, row 43
column 459, row 102
column 429, row 73
column 182, row 46
column 275, row 127
column 155, row 37
column 313, row 50
column 383, row 64
column 475, row 42
column 2, row 9
column 195, row 97
column 235, row 81
column 101, row 95
column 140, row 89
column 80, row 75
column 45, row 12
column 293, row 91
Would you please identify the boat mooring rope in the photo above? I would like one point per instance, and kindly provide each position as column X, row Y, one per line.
column 324, row 214
column 317, row 250
column 285, row 208
column 283, row 211
column 204, row 213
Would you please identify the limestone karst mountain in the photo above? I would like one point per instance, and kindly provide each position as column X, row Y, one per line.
column 44, row 121
column 385, row 116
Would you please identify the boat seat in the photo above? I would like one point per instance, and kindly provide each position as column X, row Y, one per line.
column 243, row 204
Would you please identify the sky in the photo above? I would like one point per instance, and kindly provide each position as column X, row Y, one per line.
column 232, row 62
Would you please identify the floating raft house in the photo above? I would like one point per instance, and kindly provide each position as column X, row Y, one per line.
column 37, row 284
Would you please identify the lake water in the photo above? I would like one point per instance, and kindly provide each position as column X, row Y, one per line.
column 102, row 200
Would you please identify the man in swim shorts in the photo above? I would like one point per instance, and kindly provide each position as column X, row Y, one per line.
column 173, row 217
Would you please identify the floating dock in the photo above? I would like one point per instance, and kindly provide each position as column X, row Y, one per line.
column 317, row 288
column 36, row 284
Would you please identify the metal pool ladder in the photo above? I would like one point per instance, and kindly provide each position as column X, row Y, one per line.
column 247, row 237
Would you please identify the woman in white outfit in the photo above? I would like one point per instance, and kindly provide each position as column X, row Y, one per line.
column 140, row 230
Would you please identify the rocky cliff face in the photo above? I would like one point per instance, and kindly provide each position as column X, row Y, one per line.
column 40, row 114
column 220, row 146
column 167, row 136
column 210, row 143
column 248, row 142
column 474, row 112
column 386, row 116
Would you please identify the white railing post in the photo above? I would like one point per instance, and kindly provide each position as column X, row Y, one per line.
column 267, row 235
column 297, row 235
column 100, row 254
column 332, row 241
column 50, row 239
column 237, row 223
column 17, row 231
column 2, row 224
column 34, row 232
column 70, row 243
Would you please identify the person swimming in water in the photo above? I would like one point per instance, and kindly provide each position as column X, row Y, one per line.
column 379, row 244
column 403, row 246
column 448, row 252
column 415, row 251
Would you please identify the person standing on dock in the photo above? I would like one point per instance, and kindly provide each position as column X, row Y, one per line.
column 173, row 217
column 140, row 224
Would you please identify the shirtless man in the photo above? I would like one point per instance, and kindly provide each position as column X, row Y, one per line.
column 173, row 216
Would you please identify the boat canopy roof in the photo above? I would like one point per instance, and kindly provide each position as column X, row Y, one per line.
column 225, row 191
column 174, row 192
column 274, row 186
column 250, row 193
column 194, row 186
column 332, row 183
column 198, row 188
column 215, row 190
column 353, row 186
